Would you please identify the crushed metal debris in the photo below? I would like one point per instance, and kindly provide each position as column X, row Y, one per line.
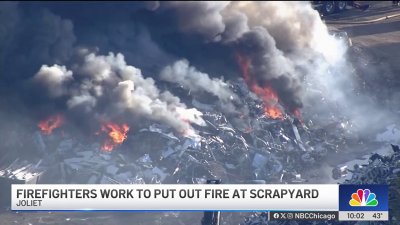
column 247, row 148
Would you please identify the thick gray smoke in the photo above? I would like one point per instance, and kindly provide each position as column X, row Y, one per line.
column 30, row 38
column 107, row 87
column 277, row 37
column 289, row 49
column 286, row 43
column 191, row 79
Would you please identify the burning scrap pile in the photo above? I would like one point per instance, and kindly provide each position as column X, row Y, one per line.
column 256, row 147
column 116, row 135
column 108, row 121
column 157, row 112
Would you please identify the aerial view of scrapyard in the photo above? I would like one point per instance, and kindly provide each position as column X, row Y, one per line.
column 184, row 92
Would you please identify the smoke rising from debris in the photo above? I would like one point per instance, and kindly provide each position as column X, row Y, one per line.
column 107, row 85
column 287, row 44
column 191, row 79
column 277, row 37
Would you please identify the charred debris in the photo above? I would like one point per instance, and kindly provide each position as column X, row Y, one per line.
column 237, row 146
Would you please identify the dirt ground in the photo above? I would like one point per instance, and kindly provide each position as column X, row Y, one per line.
column 379, row 40
column 380, row 43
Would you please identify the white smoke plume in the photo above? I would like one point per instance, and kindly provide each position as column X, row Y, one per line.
column 106, row 84
column 195, row 81
column 54, row 79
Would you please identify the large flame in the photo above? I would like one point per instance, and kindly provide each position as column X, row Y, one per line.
column 266, row 93
column 116, row 135
column 48, row 125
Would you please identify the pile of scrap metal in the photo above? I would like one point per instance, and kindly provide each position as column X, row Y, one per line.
column 22, row 172
column 74, row 162
column 249, row 148
column 18, row 172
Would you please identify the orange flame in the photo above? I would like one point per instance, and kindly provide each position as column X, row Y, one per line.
column 116, row 135
column 274, row 112
column 266, row 93
column 48, row 125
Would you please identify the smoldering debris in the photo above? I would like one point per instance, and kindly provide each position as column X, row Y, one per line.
column 107, row 86
column 189, row 120
column 253, row 149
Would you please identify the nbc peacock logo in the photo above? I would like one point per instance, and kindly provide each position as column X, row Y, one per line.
column 363, row 197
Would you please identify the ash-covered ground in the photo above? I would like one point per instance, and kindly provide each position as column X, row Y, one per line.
column 169, row 92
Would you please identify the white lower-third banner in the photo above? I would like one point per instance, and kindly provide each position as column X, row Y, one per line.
column 323, row 197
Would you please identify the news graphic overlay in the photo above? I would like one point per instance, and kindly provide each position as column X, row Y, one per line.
column 363, row 203
column 183, row 197
column 305, row 215
column 363, row 197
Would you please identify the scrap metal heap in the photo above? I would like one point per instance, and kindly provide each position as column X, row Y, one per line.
column 22, row 171
column 237, row 147
column 18, row 172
